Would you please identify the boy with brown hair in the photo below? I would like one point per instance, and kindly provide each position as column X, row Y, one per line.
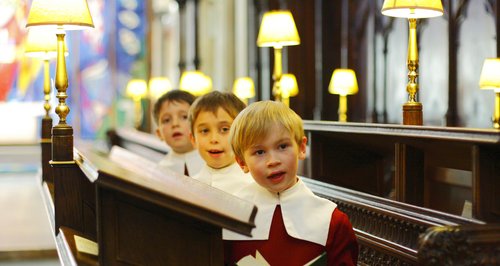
column 171, row 115
column 211, row 116
column 293, row 226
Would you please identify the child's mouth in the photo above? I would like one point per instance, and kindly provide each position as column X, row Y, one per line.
column 276, row 177
column 215, row 152
column 177, row 134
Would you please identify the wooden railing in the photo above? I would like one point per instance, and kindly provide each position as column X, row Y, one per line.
column 454, row 170
column 143, row 217
column 389, row 232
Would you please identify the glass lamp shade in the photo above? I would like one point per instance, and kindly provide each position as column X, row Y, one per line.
column 412, row 8
column 42, row 43
column 289, row 87
column 277, row 30
column 490, row 75
column 343, row 82
column 60, row 14
column 195, row 82
column 136, row 88
column 158, row 86
column 244, row 88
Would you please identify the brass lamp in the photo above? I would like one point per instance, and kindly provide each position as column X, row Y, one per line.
column 158, row 86
column 343, row 83
column 289, row 87
column 61, row 15
column 195, row 82
column 137, row 89
column 277, row 29
column 42, row 44
column 244, row 88
column 490, row 80
column 412, row 9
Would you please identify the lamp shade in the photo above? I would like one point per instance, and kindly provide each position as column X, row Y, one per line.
column 158, row 86
column 277, row 30
column 412, row 8
column 244, row 88
column 289, row 87
column 490, row 75
column 60, row 14
column 41, row 43
column 195, row 82
column 136, row 88
column 343, row 82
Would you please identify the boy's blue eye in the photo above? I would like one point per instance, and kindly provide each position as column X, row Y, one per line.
column 283, row 146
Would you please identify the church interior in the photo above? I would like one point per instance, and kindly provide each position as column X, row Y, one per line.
column 400, row 102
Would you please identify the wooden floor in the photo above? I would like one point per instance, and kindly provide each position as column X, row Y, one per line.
column 25, row 234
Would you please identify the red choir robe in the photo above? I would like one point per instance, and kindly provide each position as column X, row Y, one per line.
column 316, row 225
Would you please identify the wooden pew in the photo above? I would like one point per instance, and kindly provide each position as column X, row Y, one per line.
column 434, row 167
column 391, row 232
column 138, row 218
column 388, row 231
column 141, row 143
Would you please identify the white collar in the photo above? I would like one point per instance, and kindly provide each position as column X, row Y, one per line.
column 176, row 161
column 305, row 215
column 230, row 178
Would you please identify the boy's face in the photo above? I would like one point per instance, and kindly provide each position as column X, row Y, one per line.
column 173, row 126
column 211, row 138
column 273, row 161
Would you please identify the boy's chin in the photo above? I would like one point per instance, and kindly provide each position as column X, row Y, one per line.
column 182, row 149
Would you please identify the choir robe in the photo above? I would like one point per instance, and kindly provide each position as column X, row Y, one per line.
column 230, row 178
column 177, row 161
column 293, row 228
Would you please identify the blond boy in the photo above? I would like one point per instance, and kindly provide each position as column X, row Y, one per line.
column 171, row 115
column 293, row 226
column 211, row 116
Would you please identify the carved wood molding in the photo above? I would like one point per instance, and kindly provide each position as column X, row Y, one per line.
column 465, row 245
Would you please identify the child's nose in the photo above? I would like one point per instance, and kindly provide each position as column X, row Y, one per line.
column 273, row 159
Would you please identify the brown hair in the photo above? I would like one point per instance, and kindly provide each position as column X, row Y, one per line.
column 212, row 101
column 172, row 96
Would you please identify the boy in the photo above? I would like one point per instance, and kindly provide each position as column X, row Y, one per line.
column 293, row 226
column 211, row 117
column 171, row 115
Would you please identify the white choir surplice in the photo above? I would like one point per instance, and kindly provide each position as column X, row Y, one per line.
column 230, row 178
column 305, row 215
column 176, row 161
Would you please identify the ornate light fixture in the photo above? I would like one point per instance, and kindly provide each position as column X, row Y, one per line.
column 277, row 29
column 413, row 10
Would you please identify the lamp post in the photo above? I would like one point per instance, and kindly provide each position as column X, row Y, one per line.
column 158, row 86
column 412, row 10
column 137, row 89
column 343, row 83
column 490, row 80
column 195, row 82
column 289, row 88
column 61, row 15
column 42, row 44
column 277, row 29
column 244, row 88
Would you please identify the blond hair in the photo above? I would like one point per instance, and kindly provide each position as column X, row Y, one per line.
column 256, row 122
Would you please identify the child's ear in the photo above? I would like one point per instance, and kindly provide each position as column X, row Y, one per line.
column 193, row 140
column 242, row 164
column 158, row 133
column 302, row 148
